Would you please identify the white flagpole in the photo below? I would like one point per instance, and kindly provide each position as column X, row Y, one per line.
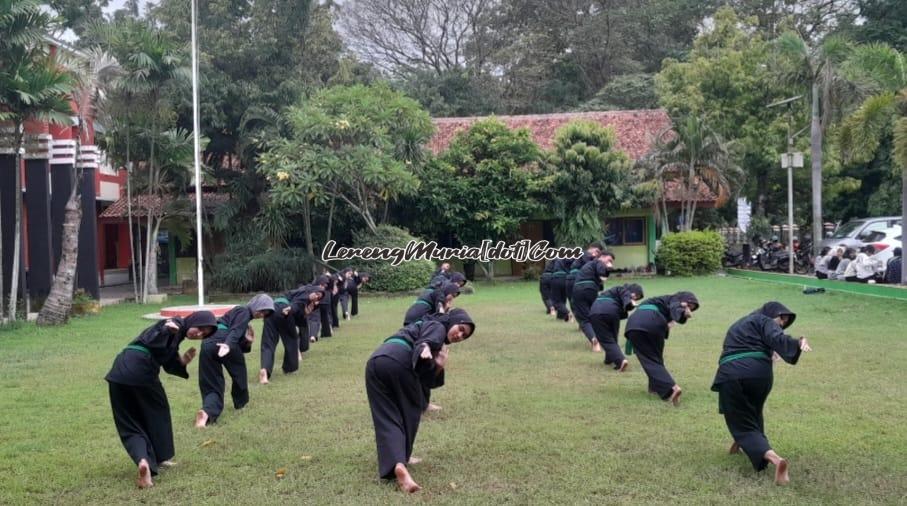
column 198, row 171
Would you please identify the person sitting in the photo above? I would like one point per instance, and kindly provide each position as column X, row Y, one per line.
column 847, row 256
column 863, row 268
column 822, row 263
column 893, row 270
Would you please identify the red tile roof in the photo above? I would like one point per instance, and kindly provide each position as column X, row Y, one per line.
column 636, row 130
column 118, row 209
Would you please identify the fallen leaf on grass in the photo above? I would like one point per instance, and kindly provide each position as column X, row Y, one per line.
column 306, row 457
column 281, row 473
column 207, row 443
column 453, row 486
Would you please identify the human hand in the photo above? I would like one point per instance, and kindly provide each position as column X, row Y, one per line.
column 286, row 311
column 804, row 345
column 223, row 349
column 426, row 353
column 188, row 356
column 172, row 326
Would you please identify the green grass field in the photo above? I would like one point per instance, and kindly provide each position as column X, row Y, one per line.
column 530, row 416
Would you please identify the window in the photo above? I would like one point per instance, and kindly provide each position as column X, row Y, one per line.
column 626, row 232
column 872, row 228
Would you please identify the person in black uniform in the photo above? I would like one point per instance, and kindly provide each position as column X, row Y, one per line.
column 545, row 287
column 612, row 306
column 590, row 281
column 394, row 378
column 592, row 252
column 648, row 328
column 226, row 349
column 432, row 302
column 281, row 325
column 141, row 411
column 744, row 380
column 359, row 279
column 559, row 289
column 324, row 307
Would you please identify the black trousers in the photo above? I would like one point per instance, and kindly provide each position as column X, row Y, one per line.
column 325, row 310
column 278, row 327
column 396, row 401
column 354, row 299
column 607, row 328
column 583, row 298
column 569, row 282
column 545, row 291
column 559, row 297
column 313, row 323
column 142, row 418
column 345, row 303
column 211, row 380
column 650, row 351
column 741, row 402
column 335, row 301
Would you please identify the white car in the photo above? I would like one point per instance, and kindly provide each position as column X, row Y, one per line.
column 884, row 242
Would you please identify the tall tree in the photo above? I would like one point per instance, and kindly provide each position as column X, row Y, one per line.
column 33, row 86
column 93, row 72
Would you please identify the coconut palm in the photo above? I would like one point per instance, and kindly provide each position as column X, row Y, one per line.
column 92, row 71
column 691, row 155
column 33, row 86
column 882, row 115
column 817, row 68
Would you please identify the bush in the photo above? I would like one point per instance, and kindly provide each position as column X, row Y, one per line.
column 386, row 277
column 273, row 270
column 689, row 253
column 531, row 273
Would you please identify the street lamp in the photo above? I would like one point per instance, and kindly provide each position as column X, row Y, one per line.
column 789, row 160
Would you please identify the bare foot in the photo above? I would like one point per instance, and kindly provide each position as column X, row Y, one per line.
column 168, row 463
column 569, row 318
column 735, row 448
column 552, row 312
column 781, row 476
column 595, row 346
column 263, row 377
column 144, row 478
column 675, row 395
column 413, row 460
column 405, row 481
column 432, row 407
column 624, row 365
column 312, row 339
column 201, row 419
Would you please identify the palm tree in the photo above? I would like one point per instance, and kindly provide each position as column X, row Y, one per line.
column 92, row 72
column 696, row 158
column 819, row 69
column 884, row 71
column 33, row 86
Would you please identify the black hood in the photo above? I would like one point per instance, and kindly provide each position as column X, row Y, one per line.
column 775, row 309
column 687, row 297
column 450, row 289
column 324, row 279
column 458, row 277
column 456, row 316
column 626, row 291
column 200, row 319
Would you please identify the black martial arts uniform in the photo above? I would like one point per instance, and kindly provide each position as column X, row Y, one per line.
column 359, row 279
column 570, row 279
column 335, row 300
column 647, row 329
column 395, row 376
column 607, row 311
column 283, row 327
column 587, row 285
column 430, row 302
column 324, row 307
column 545, row 285
column 231, row 330
column 744, row 377
column 559, row 288
column 141, row 411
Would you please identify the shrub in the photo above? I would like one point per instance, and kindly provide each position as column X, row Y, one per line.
column 272, row 270
column 688, row 253
column 386, row 277
column 531, row 273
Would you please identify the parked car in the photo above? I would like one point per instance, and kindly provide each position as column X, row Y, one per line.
column 884, row 243
column 857, row 233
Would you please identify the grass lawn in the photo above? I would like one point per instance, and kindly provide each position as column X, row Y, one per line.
column 530, row 416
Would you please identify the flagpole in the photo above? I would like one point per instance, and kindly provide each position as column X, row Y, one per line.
column 198, row 171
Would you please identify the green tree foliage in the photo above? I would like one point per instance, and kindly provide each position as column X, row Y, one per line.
column 384, row 276
column 625, row 92
column 359, row 145
column 591, row 180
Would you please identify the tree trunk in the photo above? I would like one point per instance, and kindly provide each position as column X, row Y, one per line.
column 150, row 240
column 2, row 298
column 815, row 139
column 59, row 302
column 307, row 231
column 135, row 280
column 903, row 222
column 17, row 236
column 330, row 219
column 151, row 259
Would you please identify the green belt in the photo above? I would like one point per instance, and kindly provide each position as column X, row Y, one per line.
column 222, row 326
column 648, row 307
column 606, row 298
column 138, row 347
column 581, row 282
column 745, row 354
column 573, row 270
column 400, row 341
column 282, row 300
column 560, row 273
column 422, row 301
